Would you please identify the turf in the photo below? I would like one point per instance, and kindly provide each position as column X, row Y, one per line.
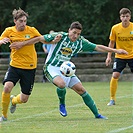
column 40, row 114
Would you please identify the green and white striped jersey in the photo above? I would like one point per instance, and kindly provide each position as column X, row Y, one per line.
column 65, row 49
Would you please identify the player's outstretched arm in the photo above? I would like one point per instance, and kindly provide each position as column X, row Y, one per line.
column 102, row 48
column 18, row 45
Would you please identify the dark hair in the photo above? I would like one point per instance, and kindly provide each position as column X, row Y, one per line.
column 19, row 13
column 124, row 11
column 76, row 25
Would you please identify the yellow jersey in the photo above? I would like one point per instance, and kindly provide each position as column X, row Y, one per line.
column 25, row 57
column 123, row 38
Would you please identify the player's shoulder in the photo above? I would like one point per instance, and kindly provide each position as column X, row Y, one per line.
column 32, row 30
column 10, row 28
column 117, row 25
column 63, row 33
column 131, row 23
column 81, row 38
column 30, row 27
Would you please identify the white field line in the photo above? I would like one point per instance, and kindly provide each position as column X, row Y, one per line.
column 120, row 129
column 123, row 128
column 126, row 96
column 77, row 105
column 41, row 114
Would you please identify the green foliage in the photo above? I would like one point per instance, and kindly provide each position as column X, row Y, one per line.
column 96, row 16
column 40, row 114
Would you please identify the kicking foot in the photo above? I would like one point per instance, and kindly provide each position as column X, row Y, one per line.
column 12, row 107
column 101, row 117
column 62, row 109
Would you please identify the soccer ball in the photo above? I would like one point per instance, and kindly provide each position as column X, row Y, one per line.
column 67, row 68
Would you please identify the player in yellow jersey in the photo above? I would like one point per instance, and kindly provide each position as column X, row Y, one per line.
column 122, row 36
column 22, row 65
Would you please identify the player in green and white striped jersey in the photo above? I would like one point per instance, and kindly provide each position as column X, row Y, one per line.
column 70, row 44
column 65, row 48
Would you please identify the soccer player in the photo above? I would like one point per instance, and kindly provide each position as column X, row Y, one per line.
column 22, row 65
column 70, row 44
column 122, row 36
column 46, row 49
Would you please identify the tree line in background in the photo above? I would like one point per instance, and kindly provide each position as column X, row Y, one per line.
column 96, row 16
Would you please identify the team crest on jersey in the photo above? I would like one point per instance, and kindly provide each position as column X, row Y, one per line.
column 49, row 36
column 131, row 32
column 66, row 51
column 27, row 36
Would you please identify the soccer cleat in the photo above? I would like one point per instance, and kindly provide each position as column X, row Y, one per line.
column 112, row 102
column 101, row 117
column 12, row 107
column 62, row 109
column 2, row 118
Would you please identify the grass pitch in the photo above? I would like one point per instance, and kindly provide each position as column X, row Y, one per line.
column 40, row 114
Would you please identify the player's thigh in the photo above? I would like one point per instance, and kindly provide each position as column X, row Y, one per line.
column 56, row 77
column 78, row 88
column 119, row 65
column 12, row 75
column 59, row 82
column 27, row 81
column 51, row 72
column 130, row 64
column 73, row 81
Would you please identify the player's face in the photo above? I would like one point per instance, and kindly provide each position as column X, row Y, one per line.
column 125, row 18
column 74, row 34
column 20, row 23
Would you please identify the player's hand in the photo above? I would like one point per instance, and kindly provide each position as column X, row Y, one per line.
column 108, row 61
column 57, row 38
column 16, row 45
column 121, row 51
column 5, row 40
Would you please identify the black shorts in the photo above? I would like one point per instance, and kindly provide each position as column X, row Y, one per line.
column 24, row 76
column 120, row 64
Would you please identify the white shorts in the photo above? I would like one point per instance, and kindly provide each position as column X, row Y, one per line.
column 51, row 72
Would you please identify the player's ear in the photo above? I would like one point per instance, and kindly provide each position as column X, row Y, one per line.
column 14, row 20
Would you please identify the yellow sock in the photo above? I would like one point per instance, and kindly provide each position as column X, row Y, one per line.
column 16, row 100
column 113, row 88
column 5, row 103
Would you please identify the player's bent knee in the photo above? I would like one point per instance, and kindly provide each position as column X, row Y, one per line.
column 61, row 85
column 24, row 100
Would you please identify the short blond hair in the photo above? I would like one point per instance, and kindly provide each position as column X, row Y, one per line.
column 19, row 13
column 124, row 11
